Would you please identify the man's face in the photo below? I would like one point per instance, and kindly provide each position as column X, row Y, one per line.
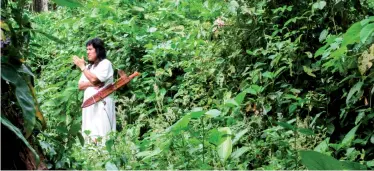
column 91, row 53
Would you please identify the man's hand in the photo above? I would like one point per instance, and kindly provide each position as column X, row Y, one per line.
column 79, row 62
column 98, row 86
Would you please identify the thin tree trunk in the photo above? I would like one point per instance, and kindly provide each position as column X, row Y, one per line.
column 40, row 5
column 44, row 5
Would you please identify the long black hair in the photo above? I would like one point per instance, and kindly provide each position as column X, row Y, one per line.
column 98, row 44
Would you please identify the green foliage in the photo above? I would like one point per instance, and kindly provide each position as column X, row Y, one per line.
column 68, row 3
column 23, row 95
column 317, row 161
column 217, row 80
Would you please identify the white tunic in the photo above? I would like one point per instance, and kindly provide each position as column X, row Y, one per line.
column 100, row 117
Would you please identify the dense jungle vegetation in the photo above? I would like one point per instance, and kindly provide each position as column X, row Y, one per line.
column 234, row 84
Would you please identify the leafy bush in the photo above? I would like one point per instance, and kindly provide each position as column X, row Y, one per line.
column 233, row 85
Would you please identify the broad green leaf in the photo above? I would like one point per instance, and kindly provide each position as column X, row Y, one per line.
column 372, row 139
column 143, row 154
column 370, row 163
column 308, row 71
column 336, row 146
column 239, row 152
column 109, row 144
column 4, row 26
column 317, row 161
column 19, row 134
column 231, row 103
column 348, row 165
column 286, row 125
column 23, row 95
column 305, row 131
column 323, row 35
column 50, row 37
column 25, row 70
column 321, row 50
column 47, row 146
column 292, row 108
column 215, row 137
column 152, row 29
column 330, row 128
column 81, row 139
column 197, row 114
column 266, row 109
column 352, row 35
column 240, row 97
column 356, row 88
column 68, row 3
column 213, row 113
column 295, row 91
column 319, row 5
column 110, row 166
column 62, row 129
column 339, row 52
column 2, row 35
column 50, row 103
column 359, row 117
column 366, row 21
column 292, row 20
column 138, row 9
column 309, row 54
column 75, row 128
column 233, row 6
column 279, row 71
column 349, row 137
column 181, row 124
column 366, row 32
column 239, row 135
column 35, row 45
column 149, row 154
column 323, row 146
column 224, row 149
column 253, row 89
column 249, row 52
column 250, row 90
column 268, row 74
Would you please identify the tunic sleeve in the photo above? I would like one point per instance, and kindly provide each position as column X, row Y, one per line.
column 104, row 70
column 83, row 77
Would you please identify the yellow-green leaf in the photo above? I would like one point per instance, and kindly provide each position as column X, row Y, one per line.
column 352, row 35
column 138, row 9
column 239, row 152
column 349, row 137
column 224, row 149
column 356, row 88
column 308, row 71
column 213, row 113
column 366, row 32
column 4, row 26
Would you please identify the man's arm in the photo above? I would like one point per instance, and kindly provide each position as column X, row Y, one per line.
column 83, row 85
column 91, row 77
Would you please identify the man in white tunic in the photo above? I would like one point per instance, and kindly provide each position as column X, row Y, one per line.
column 99, row 119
